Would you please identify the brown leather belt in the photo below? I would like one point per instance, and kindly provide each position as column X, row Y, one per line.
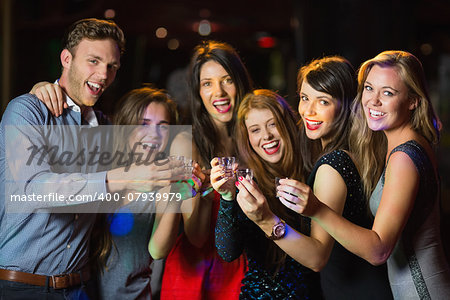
column 55, row 281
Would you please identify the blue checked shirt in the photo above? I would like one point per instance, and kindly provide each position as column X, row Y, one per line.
column 47, row 243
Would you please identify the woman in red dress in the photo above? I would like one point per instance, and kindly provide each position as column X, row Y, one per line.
column 218, row 80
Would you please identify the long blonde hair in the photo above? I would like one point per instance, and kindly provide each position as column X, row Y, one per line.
column 370, row 147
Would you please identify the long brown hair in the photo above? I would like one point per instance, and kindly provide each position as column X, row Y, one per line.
column 129, row 111
column 370, row 147
column 265, row 172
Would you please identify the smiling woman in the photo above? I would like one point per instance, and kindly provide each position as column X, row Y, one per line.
column 217, row 91
column 218, row 80
column 256, row 223
column 263, row 135
column 144, row 115
column 393, row 128
column 327, row 87
column 386, row 100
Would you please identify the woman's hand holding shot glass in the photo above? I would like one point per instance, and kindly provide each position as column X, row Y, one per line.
column 222, row 176
column 297, row 196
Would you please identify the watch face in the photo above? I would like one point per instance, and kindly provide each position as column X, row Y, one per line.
column 279, row 230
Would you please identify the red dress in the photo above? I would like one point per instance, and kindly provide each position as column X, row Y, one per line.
column 200, row 273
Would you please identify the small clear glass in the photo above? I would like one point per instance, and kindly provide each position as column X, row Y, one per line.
column 246, row 173
column 188, row 167
column 277, row 183
column 227, row 162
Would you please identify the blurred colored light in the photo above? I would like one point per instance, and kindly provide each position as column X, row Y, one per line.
column 110, row 13
column 121, row 222
column 204, row 28
column 173, row 44
column 266, row 42
column 426, row 49
column 161, row 32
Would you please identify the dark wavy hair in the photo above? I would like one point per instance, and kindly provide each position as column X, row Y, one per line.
column 205, row 136
column 335, row 76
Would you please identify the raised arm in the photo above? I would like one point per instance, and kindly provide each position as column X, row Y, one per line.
column 311, row 251
column 374, row 245
column 228, row 232
column 167, row 220
column 165, row 228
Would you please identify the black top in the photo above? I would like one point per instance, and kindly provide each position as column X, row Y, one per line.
column 347, row 276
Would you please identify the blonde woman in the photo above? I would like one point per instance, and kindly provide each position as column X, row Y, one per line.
column 393, row 132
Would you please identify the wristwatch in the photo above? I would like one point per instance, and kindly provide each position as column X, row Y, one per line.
column 278, row 231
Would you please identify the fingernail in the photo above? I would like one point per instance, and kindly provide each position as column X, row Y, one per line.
column 237, row 183
column 240, row 178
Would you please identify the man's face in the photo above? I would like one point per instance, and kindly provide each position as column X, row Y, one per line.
column 90, row 70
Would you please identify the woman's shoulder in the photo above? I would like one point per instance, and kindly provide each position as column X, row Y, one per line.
column 416, row 152
column 182, row 144
column 339, row 161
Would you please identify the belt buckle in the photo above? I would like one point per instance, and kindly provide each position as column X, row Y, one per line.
column 54, row 281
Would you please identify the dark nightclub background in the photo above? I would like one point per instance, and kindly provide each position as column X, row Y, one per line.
column 274, row 39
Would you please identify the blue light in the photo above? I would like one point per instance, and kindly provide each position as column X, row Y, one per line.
column 121, row 222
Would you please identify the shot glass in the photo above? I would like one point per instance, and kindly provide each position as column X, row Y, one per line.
column 227, row 162
column 188, row 167
column 277, row 183
column 246, row 173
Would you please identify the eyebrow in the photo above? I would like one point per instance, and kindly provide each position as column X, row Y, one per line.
column 160, row 122
column 384, row 87
column 321, row 96
column 114, row 63
column 269, row 120
column 253, row 125
column 209, row 78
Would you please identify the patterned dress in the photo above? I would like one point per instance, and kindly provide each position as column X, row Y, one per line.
column 236, row 233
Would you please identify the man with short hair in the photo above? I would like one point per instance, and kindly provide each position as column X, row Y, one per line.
column 44, row 248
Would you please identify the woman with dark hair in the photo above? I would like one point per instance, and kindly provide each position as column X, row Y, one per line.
column 256, row 223
column 327, row 87
column 218, row 80
column 393, row 129
column 214, row 109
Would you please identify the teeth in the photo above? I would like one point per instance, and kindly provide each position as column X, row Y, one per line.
column 376, row 113
column 224, row 102
column 270, row 145
column 95, row 86
column 150, row 145
column 314, row 122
